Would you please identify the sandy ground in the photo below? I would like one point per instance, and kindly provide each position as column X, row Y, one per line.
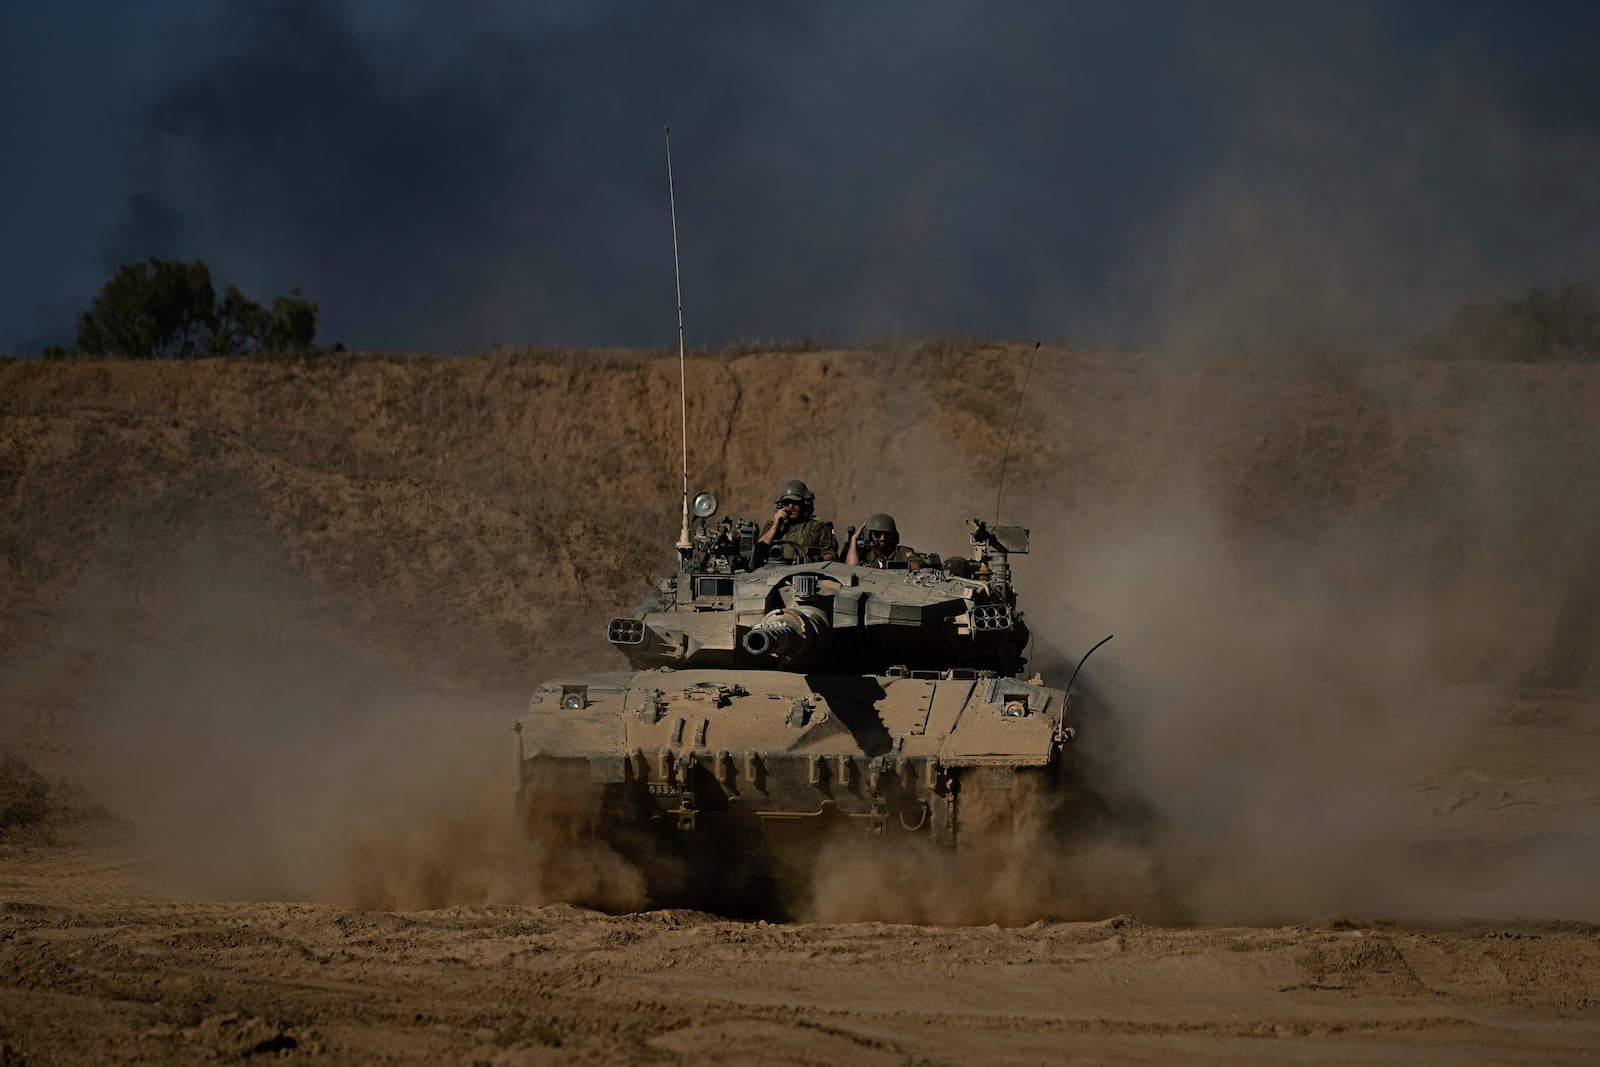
column 98, row 966
column 91, row 971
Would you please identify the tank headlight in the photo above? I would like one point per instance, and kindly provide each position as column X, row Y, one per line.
column 573, row 698
column 704, row 505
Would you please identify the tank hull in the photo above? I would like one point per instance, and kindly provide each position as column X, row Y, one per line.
column 745, row 769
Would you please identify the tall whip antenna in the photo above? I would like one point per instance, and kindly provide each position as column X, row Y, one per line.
column 683, row 375
column 1007, row 453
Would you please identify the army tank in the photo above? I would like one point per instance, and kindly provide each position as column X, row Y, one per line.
column 769, row 703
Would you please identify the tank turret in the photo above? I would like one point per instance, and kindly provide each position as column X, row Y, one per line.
column 725, row 608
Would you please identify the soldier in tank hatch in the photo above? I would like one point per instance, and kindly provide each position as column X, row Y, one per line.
column 796, row 534
column 879, row 543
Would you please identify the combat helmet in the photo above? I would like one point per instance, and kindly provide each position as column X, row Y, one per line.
column 795, row 489
column 882, row 522
column 881, row 526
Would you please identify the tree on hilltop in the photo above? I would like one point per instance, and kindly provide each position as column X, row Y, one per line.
column 168, row 309
column 159, row 309
column 244, row 327
column 1554, row 322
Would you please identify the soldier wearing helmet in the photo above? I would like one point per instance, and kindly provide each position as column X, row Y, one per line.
column 796, row 535
column 882, row 538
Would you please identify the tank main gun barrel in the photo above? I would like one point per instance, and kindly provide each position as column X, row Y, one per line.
column 779, row 637
column 788, row 632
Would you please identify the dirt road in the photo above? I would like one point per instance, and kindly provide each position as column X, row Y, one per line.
column 93, row 972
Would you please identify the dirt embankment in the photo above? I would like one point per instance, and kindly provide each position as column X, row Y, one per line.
column 264, row 624
column 467, row 508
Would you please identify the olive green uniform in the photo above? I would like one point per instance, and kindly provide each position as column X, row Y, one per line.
column 806, row 541
column 871, row 557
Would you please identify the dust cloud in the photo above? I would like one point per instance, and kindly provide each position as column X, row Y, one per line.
column 1293, row 665
column 1021, row 860
column 1267, row 704
column 256, row 749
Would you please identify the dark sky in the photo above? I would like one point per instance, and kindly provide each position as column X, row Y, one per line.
column 441, row 177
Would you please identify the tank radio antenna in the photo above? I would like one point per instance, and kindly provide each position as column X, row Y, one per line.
column 1007, row 453
column 1085, row 659
column 683, row 376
